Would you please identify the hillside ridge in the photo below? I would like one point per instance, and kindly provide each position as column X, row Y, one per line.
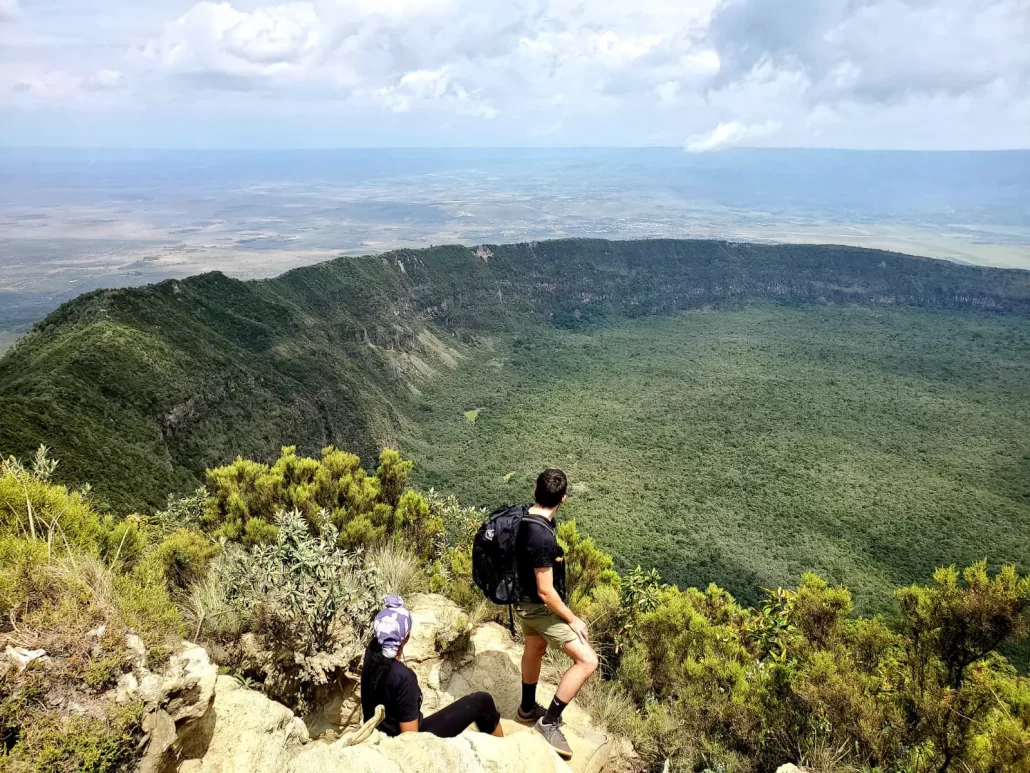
column 138, row 390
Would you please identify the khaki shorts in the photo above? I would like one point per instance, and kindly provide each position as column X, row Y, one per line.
column 538, row 620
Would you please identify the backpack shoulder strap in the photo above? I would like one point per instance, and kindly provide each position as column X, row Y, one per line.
column 541, row 522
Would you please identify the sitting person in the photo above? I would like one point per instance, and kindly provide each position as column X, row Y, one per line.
column 386, row 681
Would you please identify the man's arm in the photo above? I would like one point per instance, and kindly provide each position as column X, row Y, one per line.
column 545, row 589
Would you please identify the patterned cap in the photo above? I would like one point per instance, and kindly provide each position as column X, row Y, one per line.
column 392, row 625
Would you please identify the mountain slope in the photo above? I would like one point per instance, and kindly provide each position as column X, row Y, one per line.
column 138, row 390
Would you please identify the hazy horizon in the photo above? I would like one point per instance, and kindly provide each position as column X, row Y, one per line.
column 315, row 149
column 75, row 220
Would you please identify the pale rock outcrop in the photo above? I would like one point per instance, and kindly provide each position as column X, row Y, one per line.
column 204, row 723
column 189, row 684
column 185, row 689
column 471, row 752
column 21, row 657
column 243, row 731
column 492, row 663
column 174, row 700
column 137, row 652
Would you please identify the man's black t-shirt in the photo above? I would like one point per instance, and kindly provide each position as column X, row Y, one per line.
column 398, row 691
column 536, row 547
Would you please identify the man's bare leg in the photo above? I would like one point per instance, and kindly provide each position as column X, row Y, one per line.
column 584, row 665
column 532, row 657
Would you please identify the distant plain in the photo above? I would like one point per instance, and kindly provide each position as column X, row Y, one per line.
column 72, row 221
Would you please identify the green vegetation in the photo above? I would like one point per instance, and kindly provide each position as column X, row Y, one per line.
column 747, row 447
column 140, row 390
column 363, row 509
column 697, row 681
column 72, row 583
column 731, row 413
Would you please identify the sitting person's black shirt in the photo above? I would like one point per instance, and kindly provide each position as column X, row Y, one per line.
column 398, row 692
column 536, row 547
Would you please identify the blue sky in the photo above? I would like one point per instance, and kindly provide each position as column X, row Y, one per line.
column 701, row 74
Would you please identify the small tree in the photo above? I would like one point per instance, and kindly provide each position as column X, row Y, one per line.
column 393, row 476
column 363, row 509
column 302, row 585
column 950, row 631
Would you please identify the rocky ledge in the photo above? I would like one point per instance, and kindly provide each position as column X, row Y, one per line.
column 200, row 722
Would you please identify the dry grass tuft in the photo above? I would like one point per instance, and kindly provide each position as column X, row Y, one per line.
column 399, row 570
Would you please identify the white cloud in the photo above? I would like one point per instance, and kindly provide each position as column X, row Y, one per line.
column 424, row 87
column 8, row 9
column 62, row 86
column 833, row 72
column 728, row 134
column 877, row 50
column 668, row 91
column 104, row 80
column 218, row 40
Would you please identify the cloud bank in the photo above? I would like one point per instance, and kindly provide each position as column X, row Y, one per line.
column 705, row 74
column 726, row 135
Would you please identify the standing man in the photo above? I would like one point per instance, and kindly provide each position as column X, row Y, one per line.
column 545, row 618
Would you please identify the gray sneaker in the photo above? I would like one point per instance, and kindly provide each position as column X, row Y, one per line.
column 532, row 716
column 554, row 736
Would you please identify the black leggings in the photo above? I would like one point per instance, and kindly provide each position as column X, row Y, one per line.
column 451, row 720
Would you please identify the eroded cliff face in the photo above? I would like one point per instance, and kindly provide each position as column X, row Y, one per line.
column 200, row 722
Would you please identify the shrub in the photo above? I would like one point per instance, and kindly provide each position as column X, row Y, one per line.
column 310, row 602
column 182, row 558
column 420, row 528
column 181, row 512
column 24, row 582
column 46, row 741
column 32, row 506
column 452, row 576
column 122, row 542
column 393, row 476
column 363, row 509
column 950, row 632
column 586, row 566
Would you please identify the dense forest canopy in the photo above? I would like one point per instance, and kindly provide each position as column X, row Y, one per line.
column 138, row 390
column 857, row 412
column 748, row 446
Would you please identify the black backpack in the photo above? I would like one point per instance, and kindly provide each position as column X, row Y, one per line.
column 494, row 569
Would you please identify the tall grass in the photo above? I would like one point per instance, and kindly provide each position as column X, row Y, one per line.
column 398, row 570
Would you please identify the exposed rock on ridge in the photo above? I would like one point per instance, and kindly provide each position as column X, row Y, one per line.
column 199, row 722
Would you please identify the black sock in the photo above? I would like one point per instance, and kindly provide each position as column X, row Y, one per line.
column 553, row 716
column 528, row 697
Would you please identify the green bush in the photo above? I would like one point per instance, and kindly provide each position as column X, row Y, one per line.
column 32, row 506
column 122, row 541
column 50, row 742
column 310, row 602
column 800, row 679
column 363, row 509
column 183, row 558
column 23, row 577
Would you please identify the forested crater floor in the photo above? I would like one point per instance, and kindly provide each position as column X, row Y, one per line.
column 747, row 446
column 727, row 412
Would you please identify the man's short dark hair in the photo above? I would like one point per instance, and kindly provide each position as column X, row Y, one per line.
column 551, row 486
